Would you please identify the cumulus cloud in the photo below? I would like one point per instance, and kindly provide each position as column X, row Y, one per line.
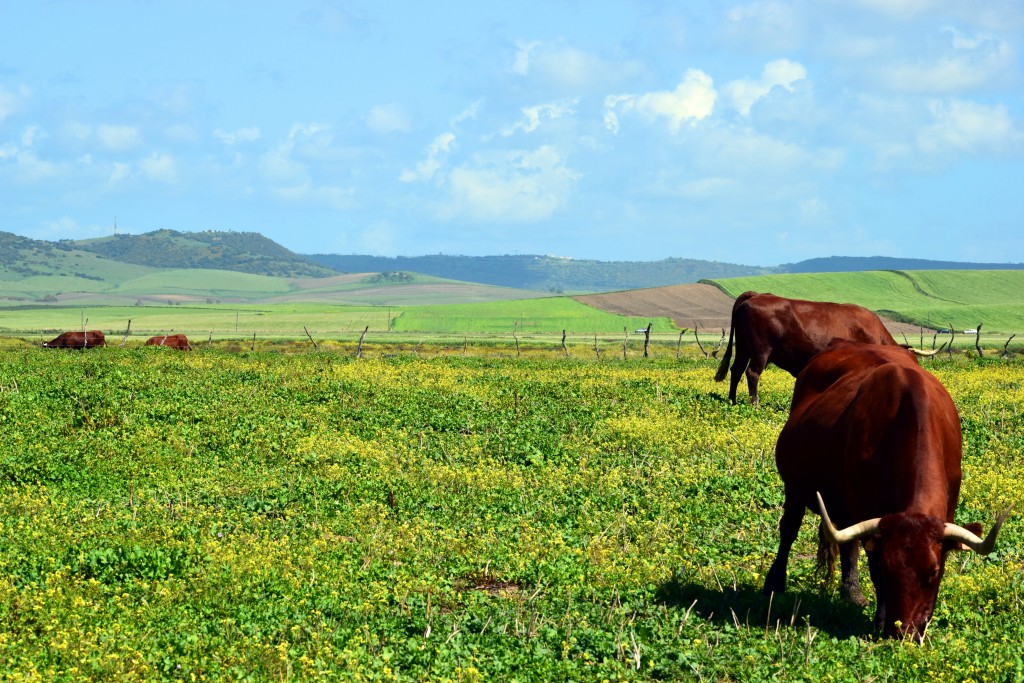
column 960, row 125
column 691, row 101
column 512, row 187
column 388, row 118
column 429, row 167
column 532, row 116
column 234, row 137
column 782, row 73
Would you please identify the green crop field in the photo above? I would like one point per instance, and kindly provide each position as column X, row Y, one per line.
column 962, row 298
column 326, row 320
column 549, row 315
column 265, row 516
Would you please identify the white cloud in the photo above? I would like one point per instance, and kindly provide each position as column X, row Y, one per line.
column 513, row 187
column 11, row 101
column 532, row 116
column 388, row 118
column 568, row 68
column 969, row 61
column 234, row 137
column 781, row 72
column 965, row 126
column 159, row 167
column 691, row 101
column 118, row 138
column 430, row 166
column 119, row 173
column 30, row 135
column 468, row 113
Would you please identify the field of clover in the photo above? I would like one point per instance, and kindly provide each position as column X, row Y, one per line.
column 265, row 516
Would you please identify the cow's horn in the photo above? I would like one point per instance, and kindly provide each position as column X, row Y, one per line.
column 868, row 527
column 923, row 353
column 955, row 532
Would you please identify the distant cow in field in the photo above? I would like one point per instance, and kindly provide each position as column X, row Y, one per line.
column 77, row 340
column 172, row 341
column 873, row 441
column 789, row 332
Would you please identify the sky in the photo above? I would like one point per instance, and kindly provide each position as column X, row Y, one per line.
column 756, row 133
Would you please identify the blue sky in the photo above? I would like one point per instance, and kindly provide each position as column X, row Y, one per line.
column 759, row 133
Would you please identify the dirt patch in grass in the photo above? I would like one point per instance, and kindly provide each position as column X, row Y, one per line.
column 699, row 306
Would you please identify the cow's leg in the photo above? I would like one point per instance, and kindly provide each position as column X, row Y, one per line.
column 789, row 526
column 850, row 589
column 754, row 370
column 736, row 372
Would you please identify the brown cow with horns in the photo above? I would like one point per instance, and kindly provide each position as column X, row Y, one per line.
column 788, row 332
column 77, row 340
column 171, row 341
column 875, row 439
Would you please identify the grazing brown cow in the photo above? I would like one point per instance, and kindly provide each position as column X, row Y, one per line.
column 879, row 438
column 77, row 340
column 172, row 341
column 788, row 332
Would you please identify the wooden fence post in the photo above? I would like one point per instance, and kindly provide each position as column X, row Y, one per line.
column 647, row 338
column 1007, row 344
column 625, row 341
column 977, row 339
column 359, row 350
column 565, row 350
column 597, row 351
column 124, row 340
column 315, row 347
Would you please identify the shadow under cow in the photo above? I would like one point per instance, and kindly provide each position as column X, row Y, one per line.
column 747, row 607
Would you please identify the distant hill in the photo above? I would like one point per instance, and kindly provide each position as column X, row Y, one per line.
column 546, row 273
column 245, row 252
column 857, row 264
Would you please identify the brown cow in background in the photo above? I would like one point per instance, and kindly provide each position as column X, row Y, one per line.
column 173, row 341
column 77, row 340
column 874, row 438
column 788, row 333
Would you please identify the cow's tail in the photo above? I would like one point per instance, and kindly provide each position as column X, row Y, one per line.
column 827, row 554
column 723, row 367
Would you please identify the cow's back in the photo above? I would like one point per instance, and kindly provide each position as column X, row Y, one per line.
column 863, row 414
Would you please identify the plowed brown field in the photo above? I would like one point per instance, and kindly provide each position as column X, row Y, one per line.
column 698, row 306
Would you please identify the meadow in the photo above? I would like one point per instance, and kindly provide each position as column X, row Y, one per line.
column 310, row 516
column 962, row 299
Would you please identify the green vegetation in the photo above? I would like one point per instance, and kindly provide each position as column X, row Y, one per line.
column 247, row 252
column 535, row 315
column 545, row 273
column 255, row 516
column 935, row 299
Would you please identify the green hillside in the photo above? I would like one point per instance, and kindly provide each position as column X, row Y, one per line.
column 246, row 252
column 936, row 299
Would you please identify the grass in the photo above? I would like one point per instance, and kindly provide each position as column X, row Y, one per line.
column 551, row 314
column 263, row 516
column 935, row 299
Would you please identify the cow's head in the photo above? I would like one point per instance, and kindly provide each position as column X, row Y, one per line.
column 907, row 557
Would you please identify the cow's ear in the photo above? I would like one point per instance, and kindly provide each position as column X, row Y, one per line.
column 869, row 544
column 975, row 528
